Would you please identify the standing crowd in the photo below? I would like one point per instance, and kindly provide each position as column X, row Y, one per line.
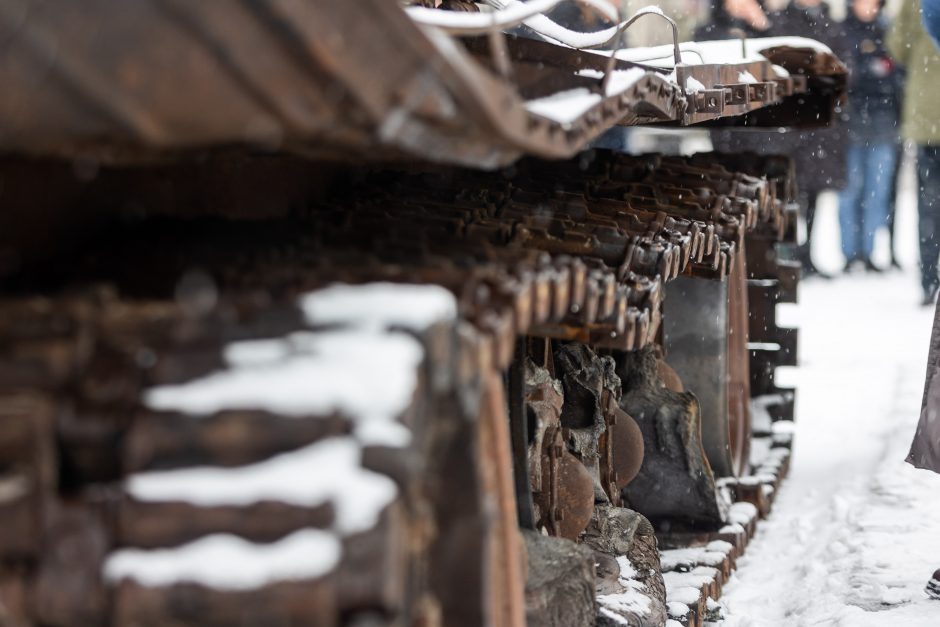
column 893, row 97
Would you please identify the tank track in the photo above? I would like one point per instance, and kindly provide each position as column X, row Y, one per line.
column 126, row 467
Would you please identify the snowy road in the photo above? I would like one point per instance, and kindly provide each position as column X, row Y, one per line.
column 855, row 532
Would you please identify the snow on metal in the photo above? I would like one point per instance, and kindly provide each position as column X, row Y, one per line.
column 227, row 562
column 308, row 373
column 327, row 471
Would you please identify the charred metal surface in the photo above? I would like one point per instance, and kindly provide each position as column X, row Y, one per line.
column 618, row 534
column 560, row 583
column 562, row 486
column 676, row 481
column 604, row 438
column 519, row 435
column 582, row 405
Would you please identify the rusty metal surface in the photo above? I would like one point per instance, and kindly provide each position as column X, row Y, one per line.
column 346, row 80
column 705, row 339
column 69, row 446
column 577, row 252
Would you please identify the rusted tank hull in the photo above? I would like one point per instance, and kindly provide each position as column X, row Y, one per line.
column 148, row 80
column 271, row 353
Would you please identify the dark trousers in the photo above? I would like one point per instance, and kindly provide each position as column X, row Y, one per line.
column 893, row 206
column 807, row 200
column 928, row 211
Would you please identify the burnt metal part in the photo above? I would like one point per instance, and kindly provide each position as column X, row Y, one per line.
column 560, row 582
column 676, row 482
column 621, row 448
column 519, row 436
column 604, row 437
column 562, row 487
column 615, row 534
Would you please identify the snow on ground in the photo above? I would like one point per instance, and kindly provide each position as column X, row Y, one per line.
column 855, row 532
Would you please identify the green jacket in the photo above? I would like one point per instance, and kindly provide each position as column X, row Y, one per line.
column 911, row 46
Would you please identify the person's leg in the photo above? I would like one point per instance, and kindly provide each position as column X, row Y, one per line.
column 804, row 250
column 928, row 208
column 848, row 204
column 879, row 168
column 893, row 200
column 811, row 197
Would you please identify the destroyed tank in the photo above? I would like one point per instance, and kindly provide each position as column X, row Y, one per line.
column 327, row 313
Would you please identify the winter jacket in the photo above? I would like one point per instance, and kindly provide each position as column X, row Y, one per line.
column 875, row 82
column 911, row 46
column 925, row 450
column 819, row 153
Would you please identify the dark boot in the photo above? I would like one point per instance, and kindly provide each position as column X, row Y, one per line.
column 852, row 264
column 806, row 262
column 933, row 586
column 930, row 297
column 871, row 267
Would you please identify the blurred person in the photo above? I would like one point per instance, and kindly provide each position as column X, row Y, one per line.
column 871, row 119
column 819, row 153
column 727, row 17
column 912, row 47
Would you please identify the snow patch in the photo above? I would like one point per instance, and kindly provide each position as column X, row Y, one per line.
column 328, row 470
column 760, row 410
column 633, row 600
column 620, row 80
column 367, row 375
column 629, row 602
column 227, row 562
column 685, row 595
column 564, row 107
column 742, row 513
column 677, row 610
column 855, row 532
column 365, row 372
column 652, row 8
column 380, row 306
column 679, row 559
column 696, row 578
column 692, row 85
column 734, row 528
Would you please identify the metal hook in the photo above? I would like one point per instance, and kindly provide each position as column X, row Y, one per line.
column 740, row 34
column 612, row 61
